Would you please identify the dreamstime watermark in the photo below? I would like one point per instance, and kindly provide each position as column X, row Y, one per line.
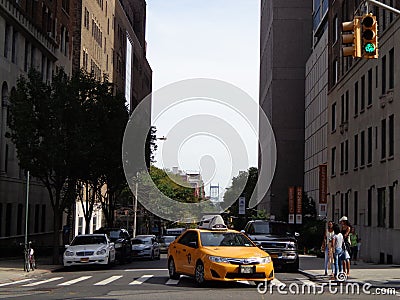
column 196, row 122
column 331, row 287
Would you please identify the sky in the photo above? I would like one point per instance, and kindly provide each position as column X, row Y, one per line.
column 215, row 39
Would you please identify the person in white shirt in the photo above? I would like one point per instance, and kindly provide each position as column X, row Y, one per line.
column 337, row 241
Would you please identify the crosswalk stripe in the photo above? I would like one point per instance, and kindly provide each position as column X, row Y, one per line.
column 43, row 281
column 276, row 282
column 172, row 282
column 15, row 282
column 75, row 280
column 141, row 279
column 108, row 280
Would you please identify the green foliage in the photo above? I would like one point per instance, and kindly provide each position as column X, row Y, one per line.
column 242, row 185
column 68, row 134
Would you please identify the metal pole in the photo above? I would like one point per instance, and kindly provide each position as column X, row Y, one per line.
column 26, row 208
column 135, row 205
column 377, row 3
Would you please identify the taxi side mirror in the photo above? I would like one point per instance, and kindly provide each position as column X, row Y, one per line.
column 192, row 245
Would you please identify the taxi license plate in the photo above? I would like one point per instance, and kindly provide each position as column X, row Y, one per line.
column 246, row 269
column 85, row 259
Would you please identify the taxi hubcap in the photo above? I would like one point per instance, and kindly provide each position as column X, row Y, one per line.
column 200, row 273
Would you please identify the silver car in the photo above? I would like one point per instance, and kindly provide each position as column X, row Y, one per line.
column 165, row 241
column 145, row 246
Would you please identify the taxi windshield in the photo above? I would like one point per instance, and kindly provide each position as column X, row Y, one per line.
column 229, row 239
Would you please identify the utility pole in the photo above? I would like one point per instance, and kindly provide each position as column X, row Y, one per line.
column 26, row 208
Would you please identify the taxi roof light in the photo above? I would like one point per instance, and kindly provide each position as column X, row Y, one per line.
column 214, row 222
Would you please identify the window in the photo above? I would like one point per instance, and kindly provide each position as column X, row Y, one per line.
column 391, row 135
column 335, row 29
column 346, row 204
column 362, row 93
column 335, row 71
column 7, row 31
column 333, row 161
column 188, row 237
column 6, row 160
column 369, row 207
column 342, row 110
column 369, row 87
column 43, row 221
column 369, row 149
column 342, row 204
column 346, row 156
column 333, row 117
column 333, row 207
column 362, row 149
column 94, row 224
column 381, row 207
column 86, row 19
column 391, row 68
column 391, row 207
column 356, row 151
column 80, row 225
column 355, row 211
column 14, row 47
column 342, row 157
column 19, row 218
column 383, row 75
column 65, row 5
column 346, row 107
column 8, row 219
column 356, row 98
column 383, row 138
column 37, row 215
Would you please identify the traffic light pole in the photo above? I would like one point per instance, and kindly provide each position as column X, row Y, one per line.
column 377, row 3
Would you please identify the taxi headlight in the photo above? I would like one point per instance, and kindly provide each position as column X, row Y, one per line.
column 265, row 260
column 218, row 259
column 69, row 253
column 101, row 252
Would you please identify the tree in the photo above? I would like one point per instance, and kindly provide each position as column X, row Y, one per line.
column 242, row 185
column 43, row 122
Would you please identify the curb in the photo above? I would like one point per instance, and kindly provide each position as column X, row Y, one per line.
column 309, row 274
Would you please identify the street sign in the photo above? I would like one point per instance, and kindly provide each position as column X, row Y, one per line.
column 242, row 205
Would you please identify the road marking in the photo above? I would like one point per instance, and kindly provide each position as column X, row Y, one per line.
column 247, row 282
column 43, row 281
column 146, row 270
column 15, row 282
column 172, row 282
column 276, row 282
column 108, row 280
column 141, row 279
column 75, row 280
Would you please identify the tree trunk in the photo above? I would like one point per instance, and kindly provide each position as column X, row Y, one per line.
column 56, row 236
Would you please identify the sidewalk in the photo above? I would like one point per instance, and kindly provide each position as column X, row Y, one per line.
column 378, row 275
column 12, row 269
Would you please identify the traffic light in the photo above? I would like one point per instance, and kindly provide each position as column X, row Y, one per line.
column 369, row 36
column 351, row 36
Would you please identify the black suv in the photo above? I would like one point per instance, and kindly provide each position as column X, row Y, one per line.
column 273, row 237
column 122, row 242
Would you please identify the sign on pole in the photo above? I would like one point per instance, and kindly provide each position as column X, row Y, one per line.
column 322, row 190
column 242, row 205
column 299, row 199
column 291, row 204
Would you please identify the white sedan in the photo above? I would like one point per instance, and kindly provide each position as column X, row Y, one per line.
column 89, row 249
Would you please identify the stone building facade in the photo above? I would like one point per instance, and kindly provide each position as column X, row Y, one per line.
column 363, row 139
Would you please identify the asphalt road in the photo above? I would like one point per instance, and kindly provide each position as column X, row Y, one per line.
column 145, row 279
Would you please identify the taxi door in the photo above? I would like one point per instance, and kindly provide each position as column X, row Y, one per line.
column 185, row 250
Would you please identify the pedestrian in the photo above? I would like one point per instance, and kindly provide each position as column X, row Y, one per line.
column 327, row 247
column 337, row 243
column 354, row 245
column 345, row 230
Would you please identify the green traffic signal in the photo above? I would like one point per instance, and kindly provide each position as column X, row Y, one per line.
column 369, row 47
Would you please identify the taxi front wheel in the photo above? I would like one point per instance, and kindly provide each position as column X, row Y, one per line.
column 172, row 269
column 199, row 274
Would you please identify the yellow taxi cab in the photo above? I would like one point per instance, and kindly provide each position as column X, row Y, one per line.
column 213, row 252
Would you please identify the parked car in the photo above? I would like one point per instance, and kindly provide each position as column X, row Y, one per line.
column 145, row 246
column 274, row 238
column 122, row 241
column 89, row 249
column 164, row 242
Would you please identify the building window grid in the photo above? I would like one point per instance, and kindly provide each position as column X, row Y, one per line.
column 333, row 116
column 383, row 139
column 362, row 149
column 362, row 100
column 369, row 97
column 356, row 151
column 333, row 161
column 391, row 136
column 383, row 77
column 369, row 148
column 346, row 156
column 355, row 212
column 356, row 98
column 391, row 69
